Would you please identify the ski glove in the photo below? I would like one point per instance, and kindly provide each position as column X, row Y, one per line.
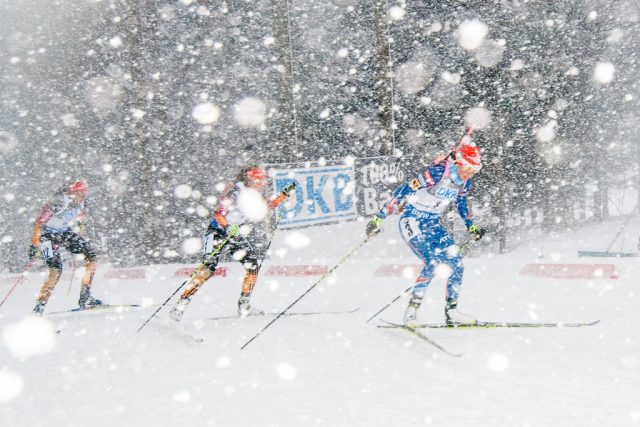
column 33, row 252
column 282, row 196
column 233, row 230
column 478, row 232
column 288, row 189
column 373, row 226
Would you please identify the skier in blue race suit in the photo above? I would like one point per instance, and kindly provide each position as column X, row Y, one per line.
column 423, row 200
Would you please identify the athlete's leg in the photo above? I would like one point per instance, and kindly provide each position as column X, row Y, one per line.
column 244, row 252
column 76, row 244
column 449, row 253
column 50, row 249
column 212, row 248
column 419, row 236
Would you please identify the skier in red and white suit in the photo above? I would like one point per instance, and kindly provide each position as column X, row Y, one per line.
column 224, row 234
column 58, row 226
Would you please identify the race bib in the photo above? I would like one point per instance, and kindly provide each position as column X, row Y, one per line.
column 46, row 249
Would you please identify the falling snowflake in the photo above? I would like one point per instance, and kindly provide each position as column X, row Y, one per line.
column 252, row 205
column 604, row 72
column 206, row 113
column 478, row 118
column 192, row 245
column 30, row 336
column 297, row 240
column 250, row 112
column 286, row 371
column 498, row 362
column 471, row 34
column 12, row 385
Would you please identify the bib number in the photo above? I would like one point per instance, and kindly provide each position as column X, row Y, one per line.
column 46, row 249
column 409, row 228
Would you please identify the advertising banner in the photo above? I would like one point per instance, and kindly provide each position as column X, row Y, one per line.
column 377, row 177
column 340, row 192
column 322, row 194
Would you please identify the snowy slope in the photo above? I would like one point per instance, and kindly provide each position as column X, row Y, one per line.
column 335, row 370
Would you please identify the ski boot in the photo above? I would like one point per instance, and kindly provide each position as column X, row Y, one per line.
column 455, row 317
column 38, row 310
column 87, row 301
column 411, row 313
column 245, row 309
column 178, row 310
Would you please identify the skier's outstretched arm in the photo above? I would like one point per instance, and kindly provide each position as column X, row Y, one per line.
column 466, row 214
column 282, row 196
column 426, row 179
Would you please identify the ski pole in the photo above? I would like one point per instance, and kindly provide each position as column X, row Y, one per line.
column 624, row 225
column 18, row 280
column 268, row 244
column 406, row 291
column 465, row 244
column 467, row 135
column 282, row 313
column 464, row 138
column 275, row 227
column 271, row 238
column 215, row 251
column 163, row 304
column 73, row 273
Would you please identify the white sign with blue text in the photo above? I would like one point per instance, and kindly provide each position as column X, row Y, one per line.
column 322, row 194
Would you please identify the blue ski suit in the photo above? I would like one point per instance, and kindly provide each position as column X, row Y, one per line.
column 423, row 200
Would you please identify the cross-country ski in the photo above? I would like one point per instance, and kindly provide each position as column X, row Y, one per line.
column 100, row 308
column 417, row 333
column 489, row 325
column 302, row 313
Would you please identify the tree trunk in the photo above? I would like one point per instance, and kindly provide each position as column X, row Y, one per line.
column 499, row 201
column 140, row 135
column 385, row 79
column 287, row 144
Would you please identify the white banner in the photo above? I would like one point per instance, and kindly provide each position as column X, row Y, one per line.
column 323, row 194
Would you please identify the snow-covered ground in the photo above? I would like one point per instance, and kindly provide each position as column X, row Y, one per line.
column 335, row 369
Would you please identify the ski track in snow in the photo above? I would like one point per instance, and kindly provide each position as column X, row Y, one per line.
column 337, row 370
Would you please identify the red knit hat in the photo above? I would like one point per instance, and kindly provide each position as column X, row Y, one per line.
column 78, row 187
column 469, row 156
column 256, row 174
